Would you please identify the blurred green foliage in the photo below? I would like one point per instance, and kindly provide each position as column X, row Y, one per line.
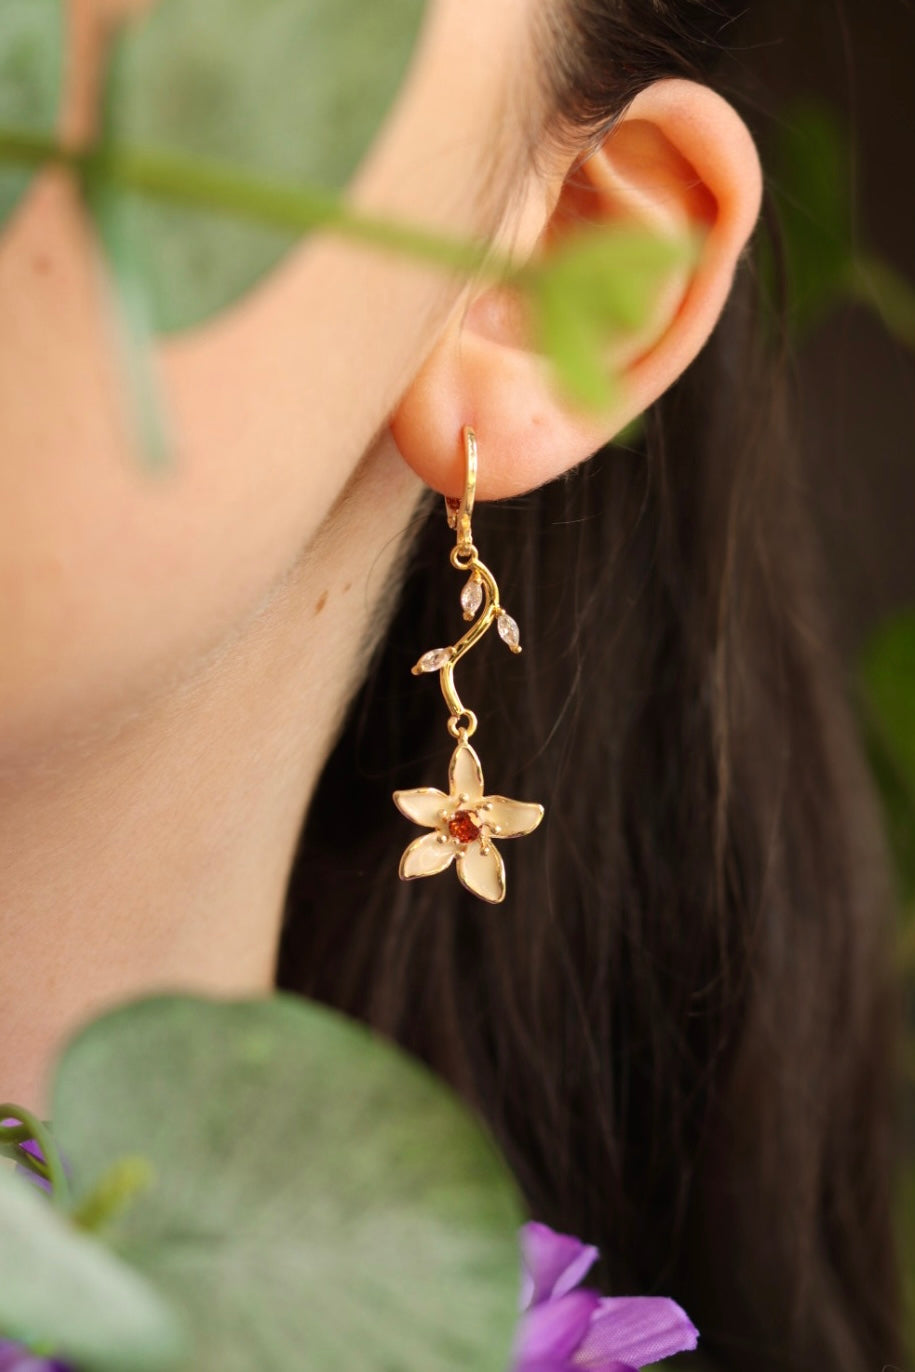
column 228, row 131
column 887, row 674
column 292, row 92
column 253, row 1178
column 31, row 65
column 596, row 291
column 811, row 181
column 62, row 1290
column 887, row 692
column 829, row 262
column 827, row 256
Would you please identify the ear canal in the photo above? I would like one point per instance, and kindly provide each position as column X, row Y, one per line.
column 680, row 159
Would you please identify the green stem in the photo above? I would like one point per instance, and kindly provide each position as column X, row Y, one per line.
column 216, row 186
column 37, row 1130
column 113, row 1191
column 25, row 1159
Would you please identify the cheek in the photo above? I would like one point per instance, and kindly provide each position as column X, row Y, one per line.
column 114, row 579
column 116, row 582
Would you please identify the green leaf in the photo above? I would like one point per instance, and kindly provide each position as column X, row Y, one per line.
column 293, row 91
column 887, row 676
column 811, row 181
column 599, row 288
column 131, row 327
column 316, row 1190
column 31, row 62
column 63, row 1290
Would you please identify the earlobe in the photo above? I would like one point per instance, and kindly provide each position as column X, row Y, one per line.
column 680, row 158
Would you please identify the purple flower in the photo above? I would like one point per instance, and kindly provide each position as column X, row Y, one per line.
column 565, row 1328
column 15, row 1358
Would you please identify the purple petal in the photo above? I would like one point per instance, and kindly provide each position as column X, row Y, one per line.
column 551, row 1366
column 527, row 1366
column 31, row 1146
column 15, row 1358
column 32, row 1177
column 552, row 1331
column 574, row 1366
column 637, row 1330
column 607, row 1367
column 28, row 1144
column 553, row 1263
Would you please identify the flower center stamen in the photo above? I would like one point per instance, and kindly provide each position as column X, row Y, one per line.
column 463, row 826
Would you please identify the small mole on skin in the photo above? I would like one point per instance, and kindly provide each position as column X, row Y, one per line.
column 321, row 603
column 42, row 263
column 347, row 587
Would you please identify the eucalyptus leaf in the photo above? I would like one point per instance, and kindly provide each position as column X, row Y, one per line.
column 129, row 311
column 31, row 63
column 61, row 1288
column 321, row 1201
column 295, row 90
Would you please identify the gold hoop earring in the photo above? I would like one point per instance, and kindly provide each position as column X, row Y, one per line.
column 465, row 822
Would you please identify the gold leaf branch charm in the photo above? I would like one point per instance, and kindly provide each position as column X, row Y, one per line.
column 464, row 821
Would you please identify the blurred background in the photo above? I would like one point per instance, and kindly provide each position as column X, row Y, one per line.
column 832, row 100
column 833, row 84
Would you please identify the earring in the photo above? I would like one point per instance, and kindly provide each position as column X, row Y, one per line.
column 465, row 822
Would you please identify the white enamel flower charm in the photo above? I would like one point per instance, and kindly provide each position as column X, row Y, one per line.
column 464, row 825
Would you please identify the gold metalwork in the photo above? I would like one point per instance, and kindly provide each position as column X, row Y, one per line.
column 464, row 820
column 465, row 558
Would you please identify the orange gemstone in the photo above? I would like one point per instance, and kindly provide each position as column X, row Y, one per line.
column 463, row 827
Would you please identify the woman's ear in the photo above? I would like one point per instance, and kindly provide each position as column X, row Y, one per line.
column 680, row 158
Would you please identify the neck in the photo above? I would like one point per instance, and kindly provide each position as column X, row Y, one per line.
column 155, row 854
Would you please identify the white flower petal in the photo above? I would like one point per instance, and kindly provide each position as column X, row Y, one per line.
column 424, row 805
column 426, row 856
column 483, row 873
column 465, row 775
column 510, row 818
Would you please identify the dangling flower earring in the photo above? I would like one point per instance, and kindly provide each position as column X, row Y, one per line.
column 465, row 822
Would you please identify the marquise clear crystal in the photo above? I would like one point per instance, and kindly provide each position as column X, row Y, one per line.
column 509, row 631
column 434, row 660
column 472, row 597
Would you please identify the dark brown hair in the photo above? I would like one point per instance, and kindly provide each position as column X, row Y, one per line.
column 681, row 1024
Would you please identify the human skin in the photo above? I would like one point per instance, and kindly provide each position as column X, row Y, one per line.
column 176, row 651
